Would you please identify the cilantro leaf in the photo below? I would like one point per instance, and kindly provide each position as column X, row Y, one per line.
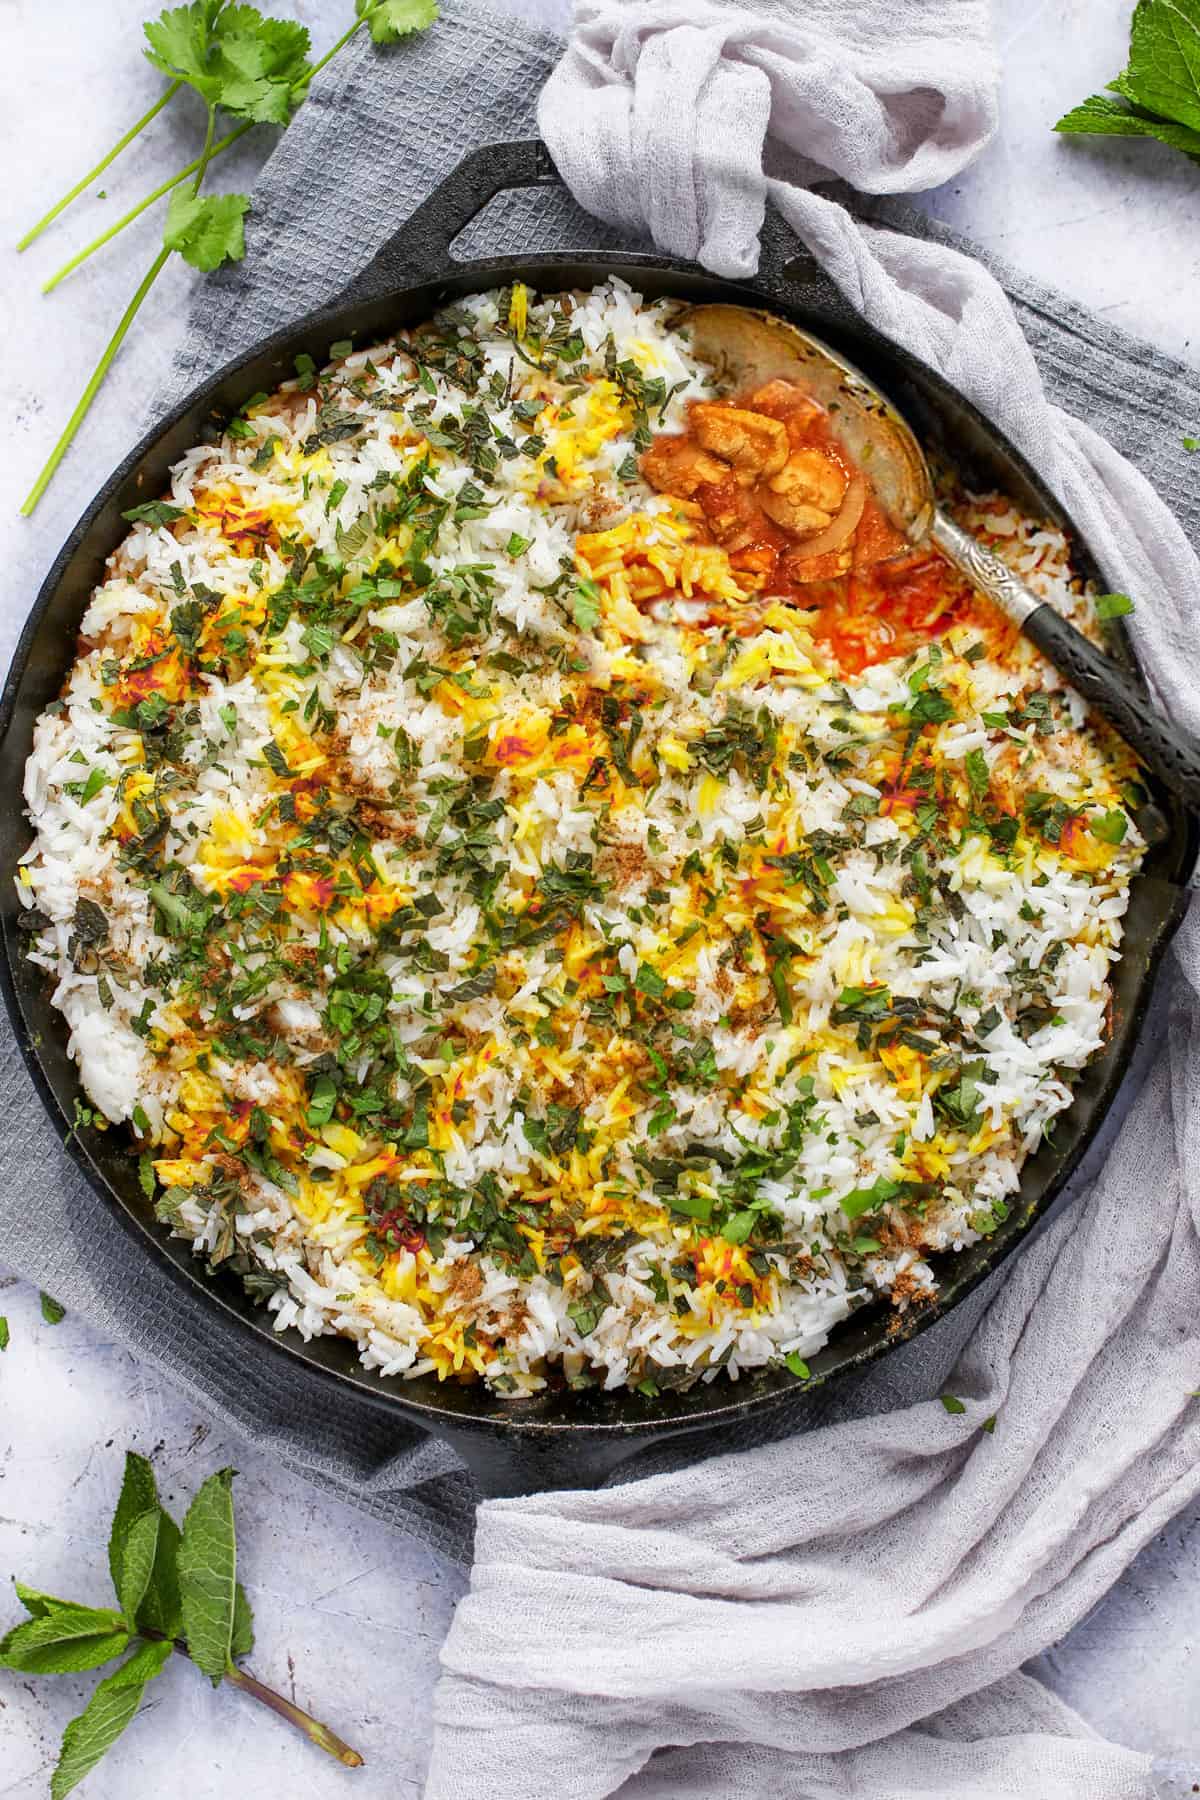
column 258, row 64
column 390, row 20
column 180, row 40
column 1113, row 606
column 233, row 57
column 207, row 231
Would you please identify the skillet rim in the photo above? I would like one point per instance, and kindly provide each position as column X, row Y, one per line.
column 505, row 1423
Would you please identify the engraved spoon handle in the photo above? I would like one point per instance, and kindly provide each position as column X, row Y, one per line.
column 1171, row 752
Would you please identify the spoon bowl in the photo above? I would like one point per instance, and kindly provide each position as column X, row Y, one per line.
column 747, row 348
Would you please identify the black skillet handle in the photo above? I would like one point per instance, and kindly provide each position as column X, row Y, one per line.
column 420, row 249
column 790, row 274
column 1171, row 752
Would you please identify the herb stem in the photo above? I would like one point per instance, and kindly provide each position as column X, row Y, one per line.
column 329, row 55
column 205, row 156
column 49, row 218
column 93, row 387
column 314, row 1731
column 136, row 212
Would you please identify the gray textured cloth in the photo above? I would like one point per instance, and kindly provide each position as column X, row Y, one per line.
column 343, row 177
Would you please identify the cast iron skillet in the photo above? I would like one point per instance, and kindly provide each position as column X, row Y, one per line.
column 558, row 1438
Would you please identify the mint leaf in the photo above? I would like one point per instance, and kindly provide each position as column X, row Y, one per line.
column 39, row 1604
column 1103, row 116
column 1109, row 827
column 52, row 1312
column 1164, row 60
column 868, row 1199
column 322, row 1101
column 3, row 1333
column 105, row 1717
column 393, row 19
column 64, row 1640
column 154, row 512
column 1161, row 83
column 242, row 1641
column 161, row 1609
column 137, row 1562
column 138, row 1494
column 953, row 1404
column 648, row 981
column 979, row 776
column 207, row 1564
column 585, row 607
column 1113, row 606
column 207, row 231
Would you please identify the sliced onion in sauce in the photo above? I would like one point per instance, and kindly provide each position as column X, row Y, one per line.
column 842, row 526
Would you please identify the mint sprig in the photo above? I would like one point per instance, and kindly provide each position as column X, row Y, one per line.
column 1157, row 95
column 177, row 1592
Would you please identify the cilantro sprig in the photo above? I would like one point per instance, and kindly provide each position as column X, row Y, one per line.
column 246, row 68
column 177, row 1592
column 1158, row 94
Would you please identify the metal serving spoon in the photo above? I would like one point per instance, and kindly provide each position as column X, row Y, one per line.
column 752, row 348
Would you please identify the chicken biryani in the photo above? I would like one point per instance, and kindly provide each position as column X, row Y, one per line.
column 554, row 887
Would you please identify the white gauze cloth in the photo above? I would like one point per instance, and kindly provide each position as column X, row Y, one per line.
column 846, row 1612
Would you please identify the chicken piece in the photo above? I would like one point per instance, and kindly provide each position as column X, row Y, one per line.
column 734, row 515
column 754, row 444
column 675, row 465
column 805, row 494
column 786, row 401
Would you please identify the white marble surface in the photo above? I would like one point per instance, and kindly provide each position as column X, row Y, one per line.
column 350, row 1614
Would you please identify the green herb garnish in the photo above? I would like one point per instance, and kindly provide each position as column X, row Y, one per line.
column 176, row 1592
column 1157, row 95
column 246, row 68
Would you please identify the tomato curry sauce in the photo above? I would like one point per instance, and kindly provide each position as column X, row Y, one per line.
column 780, row 493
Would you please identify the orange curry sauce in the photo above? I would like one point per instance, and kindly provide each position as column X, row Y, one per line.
column 780, row 494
